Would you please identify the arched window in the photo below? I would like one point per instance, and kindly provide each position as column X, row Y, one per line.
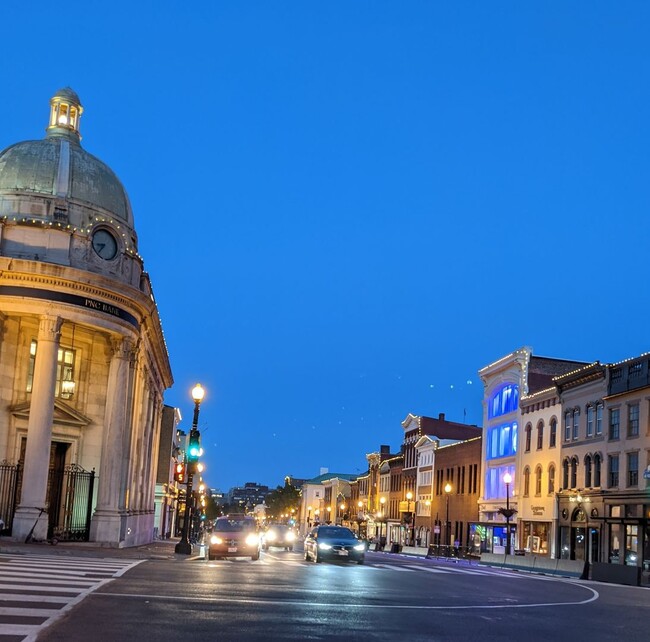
column 529, row 430
column 552, row 439
column 574, row 472
column 587, row 471
column 568, row 422
column 538, row 481
column 526, row 481
column 540, row 435
column 551, row 479
column 597, row 467
column 565, row 474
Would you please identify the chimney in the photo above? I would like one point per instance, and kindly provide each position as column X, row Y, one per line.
column 441, row 416
column 384, row 450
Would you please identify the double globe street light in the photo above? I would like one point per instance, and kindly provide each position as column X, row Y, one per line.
column 194, row 451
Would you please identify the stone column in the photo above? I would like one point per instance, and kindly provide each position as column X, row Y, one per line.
column 107, row 520
column 31, row 509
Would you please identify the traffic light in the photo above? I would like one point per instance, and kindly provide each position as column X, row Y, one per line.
column 179, row 473
column 194, row 450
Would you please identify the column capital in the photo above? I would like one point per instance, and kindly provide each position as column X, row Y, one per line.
column 123, row 347
column 49, row 328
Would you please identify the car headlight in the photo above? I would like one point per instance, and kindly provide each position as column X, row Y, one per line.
column 291, row 537
column 324, row 547
column 216, row 540
column 270, row 536
column 252, row 539
column 360, row 547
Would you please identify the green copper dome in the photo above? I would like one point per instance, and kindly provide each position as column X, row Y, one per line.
column 58, row 167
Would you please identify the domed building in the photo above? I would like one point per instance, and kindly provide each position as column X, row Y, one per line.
column 83, row 361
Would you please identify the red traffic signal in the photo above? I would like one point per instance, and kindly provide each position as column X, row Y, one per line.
column 179, row 473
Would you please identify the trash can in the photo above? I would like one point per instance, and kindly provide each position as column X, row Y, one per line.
column 395, row 547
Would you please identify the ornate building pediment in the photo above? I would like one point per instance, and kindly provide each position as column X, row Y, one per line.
column 64, row 414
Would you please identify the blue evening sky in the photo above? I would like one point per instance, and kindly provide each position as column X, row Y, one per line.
column 348, row 208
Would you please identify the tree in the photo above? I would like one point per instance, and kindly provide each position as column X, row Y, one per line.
column 281, row 500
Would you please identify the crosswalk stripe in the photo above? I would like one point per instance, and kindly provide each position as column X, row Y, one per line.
column 24, row 612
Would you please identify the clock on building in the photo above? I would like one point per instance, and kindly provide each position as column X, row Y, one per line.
column 104, row 244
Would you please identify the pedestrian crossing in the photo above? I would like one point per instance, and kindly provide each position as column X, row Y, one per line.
column 35, row 590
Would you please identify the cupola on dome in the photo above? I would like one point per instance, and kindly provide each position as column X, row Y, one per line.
column 60, row 171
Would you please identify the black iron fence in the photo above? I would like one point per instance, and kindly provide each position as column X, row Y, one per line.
column 70, row 496
column 10, row 475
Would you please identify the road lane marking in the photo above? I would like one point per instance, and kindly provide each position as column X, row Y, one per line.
column 336, row 605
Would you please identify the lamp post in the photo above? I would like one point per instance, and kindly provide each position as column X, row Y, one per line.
column 507, row 479
column 409, row 497
column 342, row 507
column 359, row 518
column 447, row 524
column 308, row 516
column 184, row 547
column 428, row 505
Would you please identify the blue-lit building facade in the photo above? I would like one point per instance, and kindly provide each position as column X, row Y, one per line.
column 505, row 382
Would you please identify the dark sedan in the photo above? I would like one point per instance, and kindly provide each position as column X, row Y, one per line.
column 334, row 543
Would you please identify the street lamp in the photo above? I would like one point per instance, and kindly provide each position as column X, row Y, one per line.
column 382, row 502
column 342, row 513
column 428, row 505
column 359, row 518
column 507, row 512
column 409, row 497
column 329, row 514
column 184, row 547
column 447, row 524
column 308, row 516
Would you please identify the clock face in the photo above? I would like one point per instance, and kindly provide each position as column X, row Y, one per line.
column 104, row 244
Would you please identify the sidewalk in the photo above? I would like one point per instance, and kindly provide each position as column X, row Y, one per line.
column 158, row 549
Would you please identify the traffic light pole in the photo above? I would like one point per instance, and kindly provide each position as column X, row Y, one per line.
column 184, row 547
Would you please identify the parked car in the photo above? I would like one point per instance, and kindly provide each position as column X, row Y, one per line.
column 279, row 536
column 234, row 536
column 334, row 543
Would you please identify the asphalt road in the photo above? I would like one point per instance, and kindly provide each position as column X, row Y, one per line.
column 282, row 597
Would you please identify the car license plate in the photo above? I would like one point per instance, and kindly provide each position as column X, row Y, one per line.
column 343, row 552
column 232, row 549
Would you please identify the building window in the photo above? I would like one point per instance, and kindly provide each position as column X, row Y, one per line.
column 504, row 401
column 614, row 423
column 633, row 469
column 529, row 429
column 540, row 435
column 501, row 441
column 65, row 363
column 588, row 471
column 567, row 426
column 565, row 474
column 574, row 472
column 599, row 419
column 612, row 465
column 590, row 421
column 526, row 481
column 551, row 479
column 552, row 439
column 633, row 420
column 538, row 481
column 576, row 423
column 597, row 466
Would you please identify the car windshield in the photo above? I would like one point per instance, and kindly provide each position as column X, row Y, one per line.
column 336, row 532
column 231, row 525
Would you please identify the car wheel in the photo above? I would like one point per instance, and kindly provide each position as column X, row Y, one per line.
column 255, row 557
column 289, row 548
column 307, row 558
column 210, row 557
column 319, row 557
column 360, row 561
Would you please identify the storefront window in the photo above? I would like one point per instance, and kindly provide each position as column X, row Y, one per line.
column 614, row 543
column 631, row 545
column 535, row 537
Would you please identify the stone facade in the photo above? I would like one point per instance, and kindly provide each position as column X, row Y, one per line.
column 83, row 362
